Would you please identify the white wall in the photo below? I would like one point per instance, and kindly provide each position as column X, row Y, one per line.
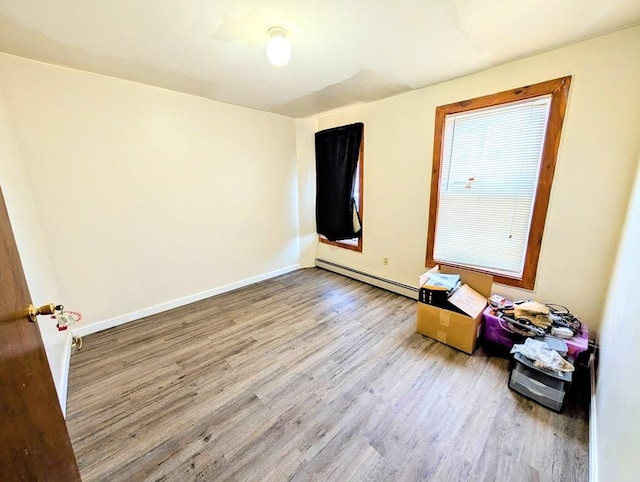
column 618, row 391
column 305, row 149
column 32, row 247
column 592, row 181
column 149, row 196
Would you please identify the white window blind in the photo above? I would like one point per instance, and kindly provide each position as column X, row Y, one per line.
column 488, row 179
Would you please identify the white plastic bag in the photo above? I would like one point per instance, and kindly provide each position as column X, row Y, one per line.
column 543, row 356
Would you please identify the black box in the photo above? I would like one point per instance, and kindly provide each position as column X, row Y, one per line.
column 438, row 298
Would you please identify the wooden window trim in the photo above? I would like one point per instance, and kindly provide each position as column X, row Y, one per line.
column 354, row 247
column 559, row 90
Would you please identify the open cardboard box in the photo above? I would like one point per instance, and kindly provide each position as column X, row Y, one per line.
column 460, row 331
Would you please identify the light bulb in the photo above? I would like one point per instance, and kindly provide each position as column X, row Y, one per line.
column 278, row 49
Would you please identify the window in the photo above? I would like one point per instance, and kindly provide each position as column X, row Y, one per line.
column 493, row 164
column 339, row 188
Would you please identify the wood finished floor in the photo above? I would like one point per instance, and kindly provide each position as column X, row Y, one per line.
column 308, row 376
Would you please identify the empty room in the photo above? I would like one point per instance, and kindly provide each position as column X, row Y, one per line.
column 319, row 240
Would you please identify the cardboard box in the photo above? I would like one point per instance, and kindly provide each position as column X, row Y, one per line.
column 458, row 330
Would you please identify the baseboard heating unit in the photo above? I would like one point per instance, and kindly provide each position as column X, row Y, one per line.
column 387, row 284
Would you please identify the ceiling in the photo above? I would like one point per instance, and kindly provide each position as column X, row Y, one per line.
column 343, row 52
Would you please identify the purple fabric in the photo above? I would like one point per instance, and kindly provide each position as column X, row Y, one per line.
column 498, row 333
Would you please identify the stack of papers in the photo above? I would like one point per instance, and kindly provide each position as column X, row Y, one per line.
column 442, row 282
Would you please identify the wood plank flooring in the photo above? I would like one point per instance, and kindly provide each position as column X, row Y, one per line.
column 308, row 376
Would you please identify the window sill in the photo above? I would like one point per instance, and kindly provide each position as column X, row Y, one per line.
column 341, row 244
column 522, row 283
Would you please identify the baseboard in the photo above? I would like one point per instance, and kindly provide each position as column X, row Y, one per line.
column 64, row 381
column 84, row 330
column 593, row 424
column 384, row 283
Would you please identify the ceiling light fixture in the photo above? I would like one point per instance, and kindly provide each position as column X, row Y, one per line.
column 278, row 48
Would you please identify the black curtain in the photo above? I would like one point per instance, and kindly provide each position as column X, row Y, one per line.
column 337, row 152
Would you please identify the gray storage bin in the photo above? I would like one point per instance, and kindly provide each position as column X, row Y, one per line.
column 547, row 389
